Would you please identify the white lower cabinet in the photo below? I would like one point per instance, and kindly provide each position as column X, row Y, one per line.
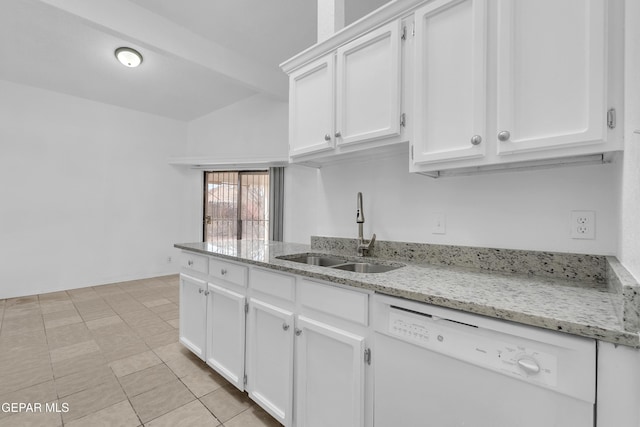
column 226, row 333
column 298, row 347
column 329, row 375
column 618, row 386
column 212, row 314
column 328, row 365
column 193, row 314
column 270, row 359
column 306, row 356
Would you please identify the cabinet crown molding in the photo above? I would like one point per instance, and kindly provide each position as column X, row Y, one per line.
column 220, row 163
column 392, row 10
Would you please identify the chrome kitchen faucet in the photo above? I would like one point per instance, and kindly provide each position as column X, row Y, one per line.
column 363, row 246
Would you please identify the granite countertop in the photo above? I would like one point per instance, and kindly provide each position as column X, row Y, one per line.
column 552, row 303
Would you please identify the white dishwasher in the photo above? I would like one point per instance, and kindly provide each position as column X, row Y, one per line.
column 436, row 367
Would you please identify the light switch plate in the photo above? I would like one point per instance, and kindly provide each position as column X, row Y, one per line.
column 439, row 225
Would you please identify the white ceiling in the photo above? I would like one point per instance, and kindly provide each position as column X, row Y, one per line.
column 269, row 31
column 199, row 55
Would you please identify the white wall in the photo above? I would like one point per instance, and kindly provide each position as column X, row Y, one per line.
column 254, row 128
column 630, row 218
column 301, row 213
column 86, row 194
column 517, row 210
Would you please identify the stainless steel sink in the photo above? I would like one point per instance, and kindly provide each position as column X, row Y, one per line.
column 341, row 263
column 323, row 261
column 365, row 267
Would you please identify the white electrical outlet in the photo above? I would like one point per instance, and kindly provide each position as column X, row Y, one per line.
column 439, row 225
column 583, row 224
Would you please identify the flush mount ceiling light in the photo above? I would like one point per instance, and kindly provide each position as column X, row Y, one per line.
column 128, row 57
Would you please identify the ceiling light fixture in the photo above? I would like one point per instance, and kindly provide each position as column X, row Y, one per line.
column 128, row 57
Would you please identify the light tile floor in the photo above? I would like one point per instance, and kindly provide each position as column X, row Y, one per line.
column 110, row 354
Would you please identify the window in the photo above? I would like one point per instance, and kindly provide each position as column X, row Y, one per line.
column 237, row 205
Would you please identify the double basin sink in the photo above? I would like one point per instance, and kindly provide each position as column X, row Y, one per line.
column 341, row 263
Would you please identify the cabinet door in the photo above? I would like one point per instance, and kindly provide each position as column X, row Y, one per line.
column 311, row 100
column 193, row 314
column 551, row 74
column 226, row 333
column 368, row 86
column 270, row 359
column 329, row 376
column 450, row 81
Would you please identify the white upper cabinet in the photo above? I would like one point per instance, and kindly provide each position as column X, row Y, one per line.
column 368, row 86
column 551, row 77
column 508, row 82
column 311, row 101
column 349, row 98
column 477, row 83
column 450, row 81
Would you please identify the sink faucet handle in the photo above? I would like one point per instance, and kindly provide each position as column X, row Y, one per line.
column 359, row 211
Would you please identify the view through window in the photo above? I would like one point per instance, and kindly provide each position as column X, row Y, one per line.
column 236, row 206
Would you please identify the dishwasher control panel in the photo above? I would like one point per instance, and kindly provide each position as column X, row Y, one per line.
column 489, row 349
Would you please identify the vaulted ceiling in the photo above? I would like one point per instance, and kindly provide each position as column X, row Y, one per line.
column 199, row 55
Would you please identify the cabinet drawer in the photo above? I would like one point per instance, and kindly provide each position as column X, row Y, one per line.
column 275, row 284
column 194, row 262
column 339, row 302
column 229, row 272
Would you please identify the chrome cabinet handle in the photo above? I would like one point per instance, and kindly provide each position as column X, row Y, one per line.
column 285, row 327
column 504, row 135
column 327, row 137
column 200, row 290
column 190, row 263
column 223, row 271
column 298, row 332
column 338, row 134
column 476, row 139
column 207, row 292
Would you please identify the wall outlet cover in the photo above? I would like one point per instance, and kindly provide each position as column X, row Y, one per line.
column 583, row 225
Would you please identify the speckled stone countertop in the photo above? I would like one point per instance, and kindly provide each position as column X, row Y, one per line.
column 580, row 308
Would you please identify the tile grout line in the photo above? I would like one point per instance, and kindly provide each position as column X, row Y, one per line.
column 150, row 349
column 114, row 374
column 46, row 337
column 4, row 311
column 76, row 300
column 73, row 302
column 101, row 351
